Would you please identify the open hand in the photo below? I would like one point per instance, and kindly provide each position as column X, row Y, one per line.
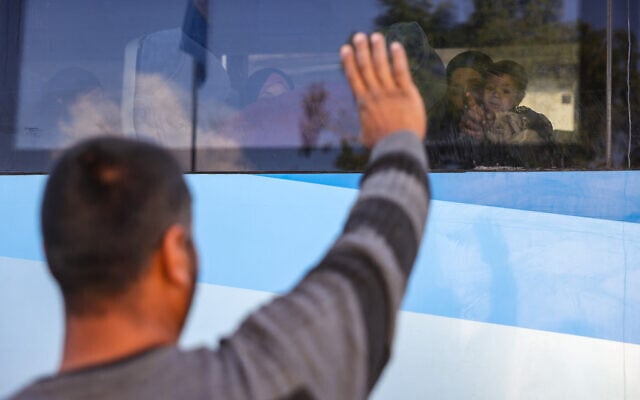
column 388, row 100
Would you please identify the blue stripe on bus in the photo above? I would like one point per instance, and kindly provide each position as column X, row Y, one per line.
column 519, row 268
column 611, row 195
column 19, row 216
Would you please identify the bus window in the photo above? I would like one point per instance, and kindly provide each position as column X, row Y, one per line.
column 257, row 86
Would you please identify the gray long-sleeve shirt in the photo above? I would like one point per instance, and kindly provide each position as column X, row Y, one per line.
column 329, row 338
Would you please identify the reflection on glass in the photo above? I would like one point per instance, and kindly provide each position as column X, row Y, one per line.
column 509, row 84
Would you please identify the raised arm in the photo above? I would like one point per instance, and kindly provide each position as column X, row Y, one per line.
column 331, row 336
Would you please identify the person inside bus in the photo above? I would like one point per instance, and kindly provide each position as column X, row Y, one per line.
column 465, row 81
column 505, row 87
column 117, row 232
column 265, row 83
column 450, row 146
column 427, row 68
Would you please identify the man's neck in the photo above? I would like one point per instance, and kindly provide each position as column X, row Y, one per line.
column 94, row 340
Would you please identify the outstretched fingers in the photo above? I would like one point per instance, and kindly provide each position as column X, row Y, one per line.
column 364, row 60
column 352, row 71
column 388, row 101
column 367, row 67
column 381, row 61
column 401, row 72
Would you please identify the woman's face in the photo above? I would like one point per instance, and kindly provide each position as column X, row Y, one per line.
column 274, row 86
column 501, row 93
column 464, row 80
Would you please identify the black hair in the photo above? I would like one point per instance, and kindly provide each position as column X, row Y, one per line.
column 473, row 59
column 106, row 206
column 513, row 69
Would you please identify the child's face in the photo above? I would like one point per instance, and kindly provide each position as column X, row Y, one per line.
column 501, row 93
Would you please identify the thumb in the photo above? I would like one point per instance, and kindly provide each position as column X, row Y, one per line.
column 470, row 100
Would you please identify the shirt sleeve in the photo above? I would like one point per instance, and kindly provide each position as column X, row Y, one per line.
column 331, row 336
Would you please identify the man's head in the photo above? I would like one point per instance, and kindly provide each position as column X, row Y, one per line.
column 116, row 224
column 465, row 74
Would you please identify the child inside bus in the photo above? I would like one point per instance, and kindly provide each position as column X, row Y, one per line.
column 505, row 86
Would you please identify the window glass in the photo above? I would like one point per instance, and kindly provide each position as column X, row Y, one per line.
column 625, row 66
column 248, row 85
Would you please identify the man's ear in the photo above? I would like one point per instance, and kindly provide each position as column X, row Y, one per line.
column 176, row 252
column 521, row 94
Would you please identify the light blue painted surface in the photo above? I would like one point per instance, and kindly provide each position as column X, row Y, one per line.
column 31, row 323
column 528, row 269
column 532, row 270
column 431, row 355
column 19, row 216
column 611, row 195
column 283, row 229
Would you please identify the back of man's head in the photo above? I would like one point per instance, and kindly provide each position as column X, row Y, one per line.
column 106, row 206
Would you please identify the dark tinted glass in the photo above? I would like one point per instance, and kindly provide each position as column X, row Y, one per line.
column 625, row 66
column 508, row 84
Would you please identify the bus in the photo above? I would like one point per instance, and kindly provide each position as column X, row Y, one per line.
column 526, row 285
